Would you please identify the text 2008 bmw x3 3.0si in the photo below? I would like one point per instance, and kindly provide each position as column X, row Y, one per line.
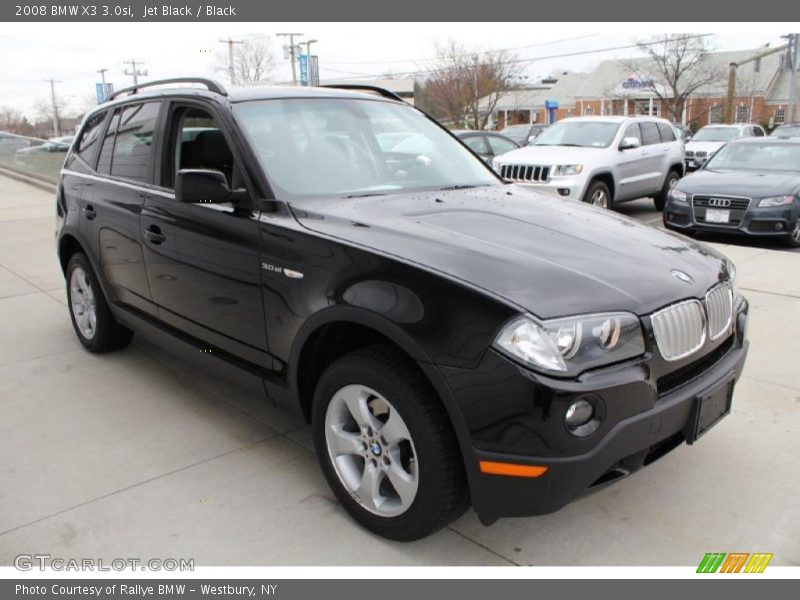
column 452, row 339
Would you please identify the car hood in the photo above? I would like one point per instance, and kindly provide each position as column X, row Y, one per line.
column 546, row 255
column 704, row 146
column 548, row 155
column 740, row 183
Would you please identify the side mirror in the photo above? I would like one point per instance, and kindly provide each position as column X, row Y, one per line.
column 204, row 186
column 629, row 143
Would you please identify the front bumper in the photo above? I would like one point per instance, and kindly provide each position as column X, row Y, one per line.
column 772, row 222
column 563, row 187
column 516, row 416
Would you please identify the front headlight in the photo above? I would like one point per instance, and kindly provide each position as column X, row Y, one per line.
column 496, row 165
column 732, row 277
column 678, row 195
column 571, row 345
column 566, row 170
column 775, row 201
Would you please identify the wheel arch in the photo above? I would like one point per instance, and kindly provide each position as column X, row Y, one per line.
column 606, row 177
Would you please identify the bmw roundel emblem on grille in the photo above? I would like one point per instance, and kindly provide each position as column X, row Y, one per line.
column 681, row 276
column 719, row 202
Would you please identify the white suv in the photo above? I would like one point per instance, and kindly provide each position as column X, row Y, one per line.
column 600, row 160
column 711, row 138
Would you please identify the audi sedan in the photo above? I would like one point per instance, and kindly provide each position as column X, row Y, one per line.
column 749, row 187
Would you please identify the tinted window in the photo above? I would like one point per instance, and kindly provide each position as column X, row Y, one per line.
column 104, row 162
column 632, row 131
column 475, row 143
column 758, row 132
column 499, row 145
column 667, row 134
column 90, row 137
column 589, row 134
column 650, row 134
column 132, row 147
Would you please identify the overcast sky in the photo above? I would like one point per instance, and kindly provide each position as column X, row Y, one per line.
column 73, row 52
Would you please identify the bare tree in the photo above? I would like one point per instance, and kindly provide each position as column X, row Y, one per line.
column 254, row 61
column 675, row 66
column 465, row 85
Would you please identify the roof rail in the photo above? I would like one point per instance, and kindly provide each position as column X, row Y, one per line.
column 360, row 87
column 212, row 85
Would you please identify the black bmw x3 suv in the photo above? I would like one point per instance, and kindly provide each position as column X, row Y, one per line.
column 452, row 339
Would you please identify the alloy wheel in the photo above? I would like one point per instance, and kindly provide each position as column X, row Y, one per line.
column 82, row 303
column 371, row 450
column 599, row 198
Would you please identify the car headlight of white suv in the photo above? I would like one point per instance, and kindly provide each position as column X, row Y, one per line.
column 566, row 170
column 569, row 346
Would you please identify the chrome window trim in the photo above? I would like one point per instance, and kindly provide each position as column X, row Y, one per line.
column 125, row 184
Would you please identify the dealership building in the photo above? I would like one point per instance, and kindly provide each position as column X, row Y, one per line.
column 617, row 87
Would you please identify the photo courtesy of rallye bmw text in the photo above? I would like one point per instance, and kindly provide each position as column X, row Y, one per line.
column 307, row 300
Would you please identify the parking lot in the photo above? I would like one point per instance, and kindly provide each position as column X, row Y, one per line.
column 140, row 453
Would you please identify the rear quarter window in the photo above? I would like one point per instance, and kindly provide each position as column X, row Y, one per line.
column 90, row 137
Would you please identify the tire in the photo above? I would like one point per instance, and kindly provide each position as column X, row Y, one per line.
column 663, row 197
column 95, row 326
column 598, row 195
column 793, row 240
column 401, row 405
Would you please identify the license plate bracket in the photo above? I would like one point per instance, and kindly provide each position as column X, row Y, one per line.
column 716, row 215
column 709, row 408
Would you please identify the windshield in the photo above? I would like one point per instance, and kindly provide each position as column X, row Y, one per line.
column 787, row 131
column 588, row 134
column 757, row 157
column 322, row 147
column 716, row 134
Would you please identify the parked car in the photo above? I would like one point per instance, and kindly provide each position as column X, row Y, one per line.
column 711, row 138
column 749, row 187
column 523, row 134
column 450, row 338
column 786, row 130
column 600, row 160
column 486, row 144
column 59, row 144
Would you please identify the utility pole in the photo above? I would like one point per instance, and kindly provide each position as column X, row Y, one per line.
column 292, row 52
column 794, row 42
column 134, row 72
column 231, row 71
column 733, row 67
column 56, row 120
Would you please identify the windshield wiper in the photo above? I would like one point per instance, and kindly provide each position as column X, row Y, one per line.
column 465, row 186
column 365, row 195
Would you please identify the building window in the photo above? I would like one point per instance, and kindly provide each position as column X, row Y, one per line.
column 742, row 114
column 643, row 108
column 715, row 115
column 588, row 110
column 780, row 116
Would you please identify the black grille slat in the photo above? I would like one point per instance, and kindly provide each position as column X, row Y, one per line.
column 537, row 173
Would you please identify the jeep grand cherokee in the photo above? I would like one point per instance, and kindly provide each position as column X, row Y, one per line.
column 452, row 339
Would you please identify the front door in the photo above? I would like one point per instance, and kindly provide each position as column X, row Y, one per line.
column 203, row 260
column 633, row 176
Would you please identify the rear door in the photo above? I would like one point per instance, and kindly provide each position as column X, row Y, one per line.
column 203, row 260
column 113, row 198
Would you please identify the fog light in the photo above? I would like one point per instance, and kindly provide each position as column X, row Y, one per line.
column 563, row 191
column 778, row 226
column 584, row 416
column 579, row 413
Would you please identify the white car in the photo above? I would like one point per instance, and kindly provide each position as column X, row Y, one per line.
column 713, row 137
column 600, row 160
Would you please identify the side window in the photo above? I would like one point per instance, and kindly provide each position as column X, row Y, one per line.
column 90, row 137
column 758, row 132
column 475, row 143
column 499, row 145
column 197, row 142
column 104, row 162
column 633, row 131
column 133, row 145
column 667, row 134
column 650, row 134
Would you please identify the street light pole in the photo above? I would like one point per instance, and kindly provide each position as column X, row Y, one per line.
column 56, row 123
column 292, row 52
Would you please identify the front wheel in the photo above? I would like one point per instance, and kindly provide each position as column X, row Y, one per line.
column 793, row 240
column 386, row 445
column 670, row 182
column 598, row 195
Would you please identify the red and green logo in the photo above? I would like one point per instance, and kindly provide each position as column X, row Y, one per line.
column 734, row 562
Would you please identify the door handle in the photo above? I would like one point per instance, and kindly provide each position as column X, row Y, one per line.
column 89, row 211
column 153, row 234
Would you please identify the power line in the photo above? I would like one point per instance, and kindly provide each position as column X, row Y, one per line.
column 540, row 58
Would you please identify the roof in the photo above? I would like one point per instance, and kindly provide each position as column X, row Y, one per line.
column 768, row 139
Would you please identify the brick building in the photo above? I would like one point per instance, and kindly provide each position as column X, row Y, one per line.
column 618, row 87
